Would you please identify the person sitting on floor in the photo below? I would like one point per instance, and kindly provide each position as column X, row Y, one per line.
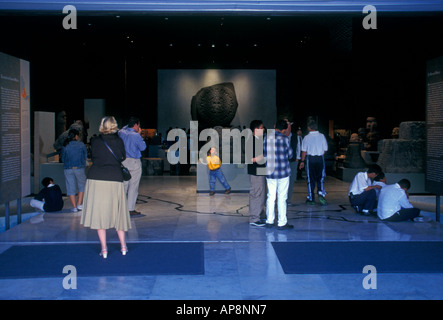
column 362, row 195
column 49, row 199
column 379, row 180
column 394, row 205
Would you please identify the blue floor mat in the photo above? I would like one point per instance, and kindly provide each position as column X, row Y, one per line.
column 37, row 261
column 352, row 256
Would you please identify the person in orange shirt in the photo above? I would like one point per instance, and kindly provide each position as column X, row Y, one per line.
column 215, row 172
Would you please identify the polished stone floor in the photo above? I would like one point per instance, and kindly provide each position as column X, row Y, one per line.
column 240, row 262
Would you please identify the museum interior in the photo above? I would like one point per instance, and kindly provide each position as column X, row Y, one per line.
column 327, row 64
column 366, row 87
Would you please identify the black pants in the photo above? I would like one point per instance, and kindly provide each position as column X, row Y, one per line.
column 404, row 215
column 315, row 171
column 367, row 200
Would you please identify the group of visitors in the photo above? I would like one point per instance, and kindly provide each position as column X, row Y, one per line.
column 369, row 194
column 282, row 166
column 107, row 201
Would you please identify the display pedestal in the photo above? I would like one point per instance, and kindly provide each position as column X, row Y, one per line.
column 236, row 175
column 347, row 174
column 417, row 179
column 152, row 166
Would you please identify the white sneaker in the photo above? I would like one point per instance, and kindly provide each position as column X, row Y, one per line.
column 80, row 207
column 74, row 210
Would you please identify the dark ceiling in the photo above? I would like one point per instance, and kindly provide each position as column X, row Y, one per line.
column 327, row 64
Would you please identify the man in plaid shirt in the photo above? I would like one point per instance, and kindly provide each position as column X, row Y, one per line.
column 278, row 151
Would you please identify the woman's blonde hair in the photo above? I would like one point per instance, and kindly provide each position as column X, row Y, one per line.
column 108, row 125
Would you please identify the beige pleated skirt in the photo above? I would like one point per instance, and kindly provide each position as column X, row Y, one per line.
column 105, row 206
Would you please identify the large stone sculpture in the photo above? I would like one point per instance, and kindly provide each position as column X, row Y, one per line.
column 353, row 153
column 60, row 125
column 407, row 154
column 372, row 134
column 214, row 105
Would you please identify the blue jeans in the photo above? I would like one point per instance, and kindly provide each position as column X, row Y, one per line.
column 75, row 181
column 217, row 174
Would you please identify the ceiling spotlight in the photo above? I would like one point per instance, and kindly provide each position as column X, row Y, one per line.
column 213, row 45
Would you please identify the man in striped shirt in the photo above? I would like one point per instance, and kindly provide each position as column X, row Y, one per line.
column 277, row 151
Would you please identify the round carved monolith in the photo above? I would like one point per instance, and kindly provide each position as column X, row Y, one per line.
column 215, row 105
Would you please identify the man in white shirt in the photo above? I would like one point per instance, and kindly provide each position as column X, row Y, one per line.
column 393, row 203
column 313, row 148
column 362, row 192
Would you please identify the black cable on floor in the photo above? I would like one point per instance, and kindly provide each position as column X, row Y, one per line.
column 310, row 214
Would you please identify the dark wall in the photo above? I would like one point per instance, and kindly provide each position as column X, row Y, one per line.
column 327, row 66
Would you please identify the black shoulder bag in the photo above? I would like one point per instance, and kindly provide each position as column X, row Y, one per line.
column 125, row 171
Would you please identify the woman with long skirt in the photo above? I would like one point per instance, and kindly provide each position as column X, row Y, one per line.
column 104, row 204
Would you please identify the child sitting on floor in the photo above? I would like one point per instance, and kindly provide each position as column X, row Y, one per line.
column 49, row 199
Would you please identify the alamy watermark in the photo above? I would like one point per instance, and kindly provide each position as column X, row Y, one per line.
column 70, row 20
column 70, row 281
column 370, row 21
column 239, row 142
column 370, row 281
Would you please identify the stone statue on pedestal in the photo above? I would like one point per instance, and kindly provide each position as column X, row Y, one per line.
column 353, row 153
column 407, row 154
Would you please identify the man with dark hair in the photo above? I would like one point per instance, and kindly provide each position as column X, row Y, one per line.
column 257, row 179
column 314, row 146
column 362, row 191
column 277, row 151
column 393, row 203
column 49, row 199
column 134, row 145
